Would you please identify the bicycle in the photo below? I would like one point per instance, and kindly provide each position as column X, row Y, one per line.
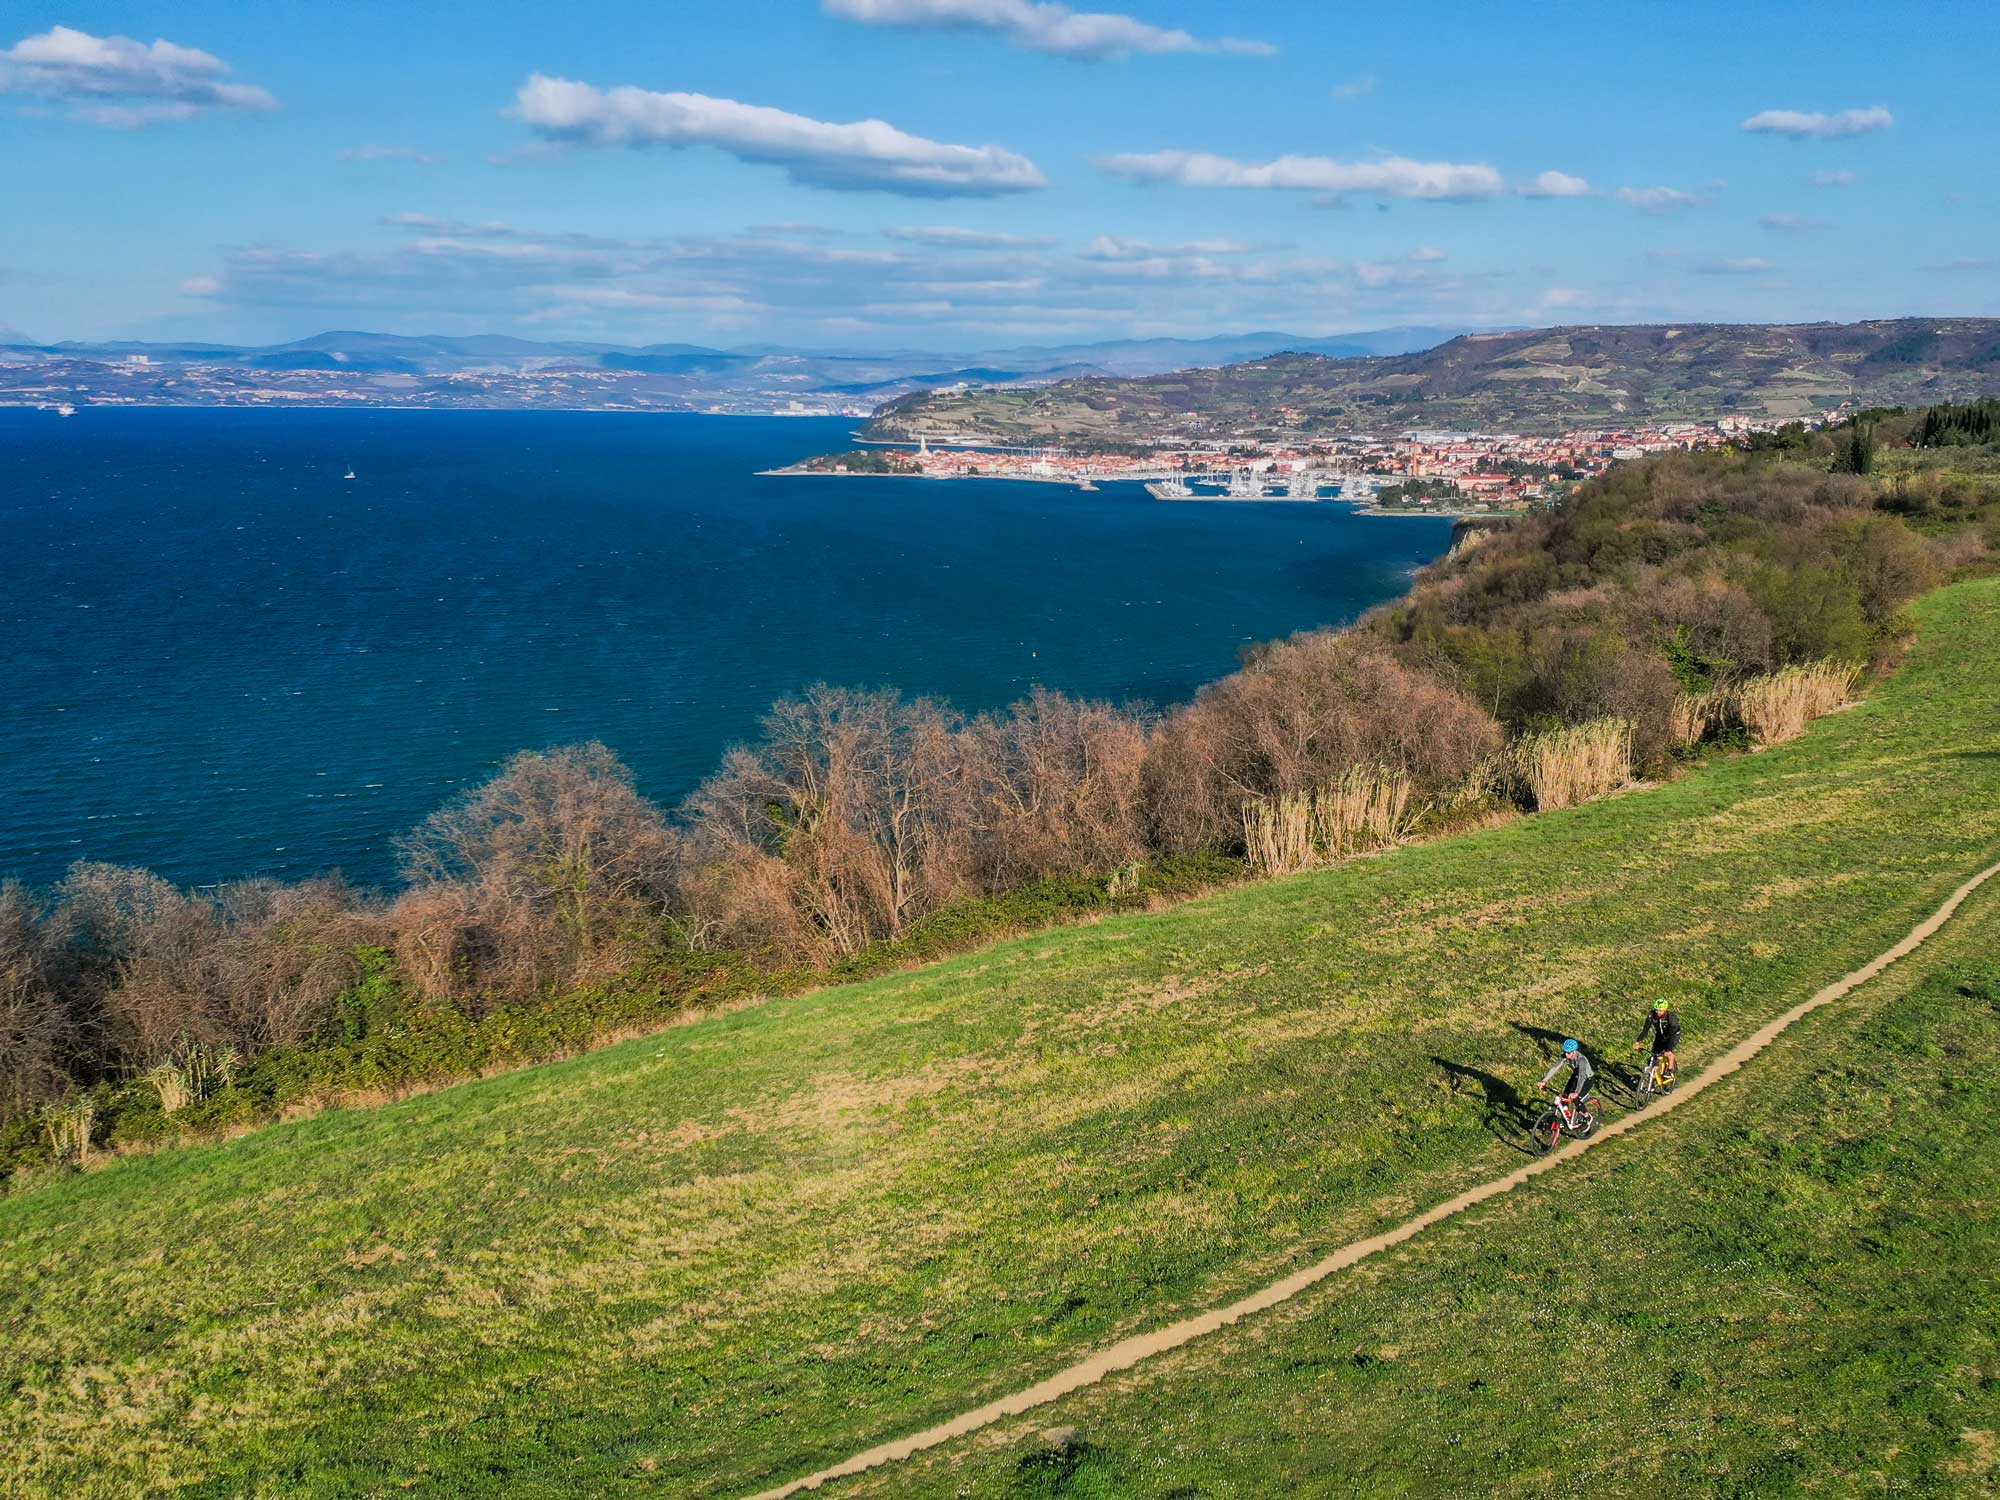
column 1655, row 1079
column 1568, row 1116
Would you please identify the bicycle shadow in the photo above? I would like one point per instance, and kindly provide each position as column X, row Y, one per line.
column 1615, row 1077
column 1507, row 1112
column 1620, row 1074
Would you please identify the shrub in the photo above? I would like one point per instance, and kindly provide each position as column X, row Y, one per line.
column 1562, row 767
column 1778, row 707
column 1298, row 719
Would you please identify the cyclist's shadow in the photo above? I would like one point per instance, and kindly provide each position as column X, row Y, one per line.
column 1621, row 1077
column 1507, row 1114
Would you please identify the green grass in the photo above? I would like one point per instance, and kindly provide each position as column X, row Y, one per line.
column 745, row 1247
column 1785, row 1288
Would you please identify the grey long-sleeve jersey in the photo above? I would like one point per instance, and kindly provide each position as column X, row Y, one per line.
column 1584, row 1071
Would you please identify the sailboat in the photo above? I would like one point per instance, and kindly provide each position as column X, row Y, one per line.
column 350, row 472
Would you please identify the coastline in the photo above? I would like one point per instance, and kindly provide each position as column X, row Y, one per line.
column 1096, row 481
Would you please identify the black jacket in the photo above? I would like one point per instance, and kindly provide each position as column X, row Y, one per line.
column 1664, row 1029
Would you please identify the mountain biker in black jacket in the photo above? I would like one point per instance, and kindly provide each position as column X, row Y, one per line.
column 1663, row 1024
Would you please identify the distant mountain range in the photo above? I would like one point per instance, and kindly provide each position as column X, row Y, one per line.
column 1528, row 380
column 360, row 368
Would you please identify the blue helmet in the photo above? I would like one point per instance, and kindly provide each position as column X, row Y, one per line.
column 1570, row 1045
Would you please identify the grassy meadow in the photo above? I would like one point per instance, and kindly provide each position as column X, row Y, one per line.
column 708, row 1259
column 1786, row 1288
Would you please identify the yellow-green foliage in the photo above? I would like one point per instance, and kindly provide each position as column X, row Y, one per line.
column 1777, row 707
column 1562, row 767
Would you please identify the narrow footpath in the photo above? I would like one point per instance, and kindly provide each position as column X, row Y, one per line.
column 1131, row 1351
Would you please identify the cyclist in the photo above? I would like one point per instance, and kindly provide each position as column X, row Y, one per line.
column 1663, row 1024
column 1581, row 1070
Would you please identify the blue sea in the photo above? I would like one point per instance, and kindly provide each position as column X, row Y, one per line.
column 224, row 659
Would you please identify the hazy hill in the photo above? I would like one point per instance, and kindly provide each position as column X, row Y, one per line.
column 344, row 366
column 1533, row 378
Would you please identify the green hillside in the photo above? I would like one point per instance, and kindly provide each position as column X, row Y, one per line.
column 709, row 1259
column 1530, row 380
column 1784, row 1289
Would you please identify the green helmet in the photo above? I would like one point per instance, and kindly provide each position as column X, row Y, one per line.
column 1661, row 1007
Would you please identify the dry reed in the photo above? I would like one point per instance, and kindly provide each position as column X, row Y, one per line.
column 1562, row 767
column 1367, row 808
column 1777, row 707
column 68, row 1127
column 1694, row 715
column 190, row 1073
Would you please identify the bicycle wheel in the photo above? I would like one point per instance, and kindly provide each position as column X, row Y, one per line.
column 1543, row 1133
column 1649, row 1083
column 1586, row 1122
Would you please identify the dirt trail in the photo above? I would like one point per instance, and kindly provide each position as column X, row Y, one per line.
column 1131, row 1351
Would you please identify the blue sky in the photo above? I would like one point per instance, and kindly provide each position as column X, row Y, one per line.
column 1037, row 173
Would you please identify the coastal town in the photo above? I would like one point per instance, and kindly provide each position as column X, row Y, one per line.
column 1424, row 472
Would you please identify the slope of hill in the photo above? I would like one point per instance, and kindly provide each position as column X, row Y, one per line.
column 1537, row 379
column 735, row 1251
column 1781, row 1289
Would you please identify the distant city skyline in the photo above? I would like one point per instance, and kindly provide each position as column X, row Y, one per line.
column 964, row 174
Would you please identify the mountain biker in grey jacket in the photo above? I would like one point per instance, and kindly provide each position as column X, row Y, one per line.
column 1581, row 1074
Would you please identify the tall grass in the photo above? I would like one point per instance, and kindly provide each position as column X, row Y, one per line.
column 1277, row 833
column 1562, row 767
column 190, row 1073
column 1367, row 808
column 69, row 1127
column 1693, row 715
column 1778, row 707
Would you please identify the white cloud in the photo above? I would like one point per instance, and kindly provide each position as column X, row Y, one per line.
column 390, row 153
column 122, row 83
column 1791, row 223
column 864, row 154
column 1425, row 255
column 1565, row 296
column 1110, row 247
column 1657, row 200
column 1557, row 185
column 1833, row 179
column 947, row 237
column 1389, row 176
column 1042, row 26
column 1817, row 124
column 201, row 286
column 1355, row 88
column 1711, row 265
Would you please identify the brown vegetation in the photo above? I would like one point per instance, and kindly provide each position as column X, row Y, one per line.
column 1577, row 763
column 1778, row 707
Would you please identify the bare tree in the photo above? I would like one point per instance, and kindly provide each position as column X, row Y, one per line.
column 852, row 811
column 37, row 1031
column 286, row 954
column 559, row 851
column 144, row 953
column 1057, row 787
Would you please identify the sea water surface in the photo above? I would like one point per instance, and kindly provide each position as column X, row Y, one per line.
column 222, row 658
